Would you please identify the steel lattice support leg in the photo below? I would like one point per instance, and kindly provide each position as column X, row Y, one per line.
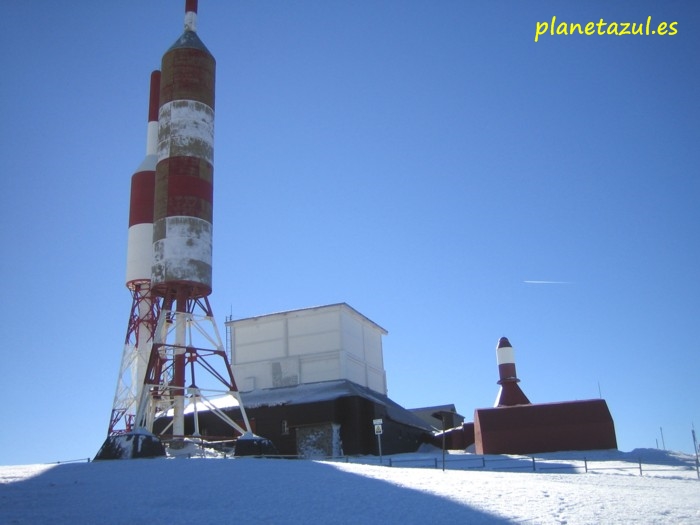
column 188, row 367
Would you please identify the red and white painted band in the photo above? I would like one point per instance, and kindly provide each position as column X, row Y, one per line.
column 154, row 96
column 505, row 355
column 139, row 253
column 184, row 253
column 186, row 129
column 142, row 193
column 507, row 371
column 191, row 6
column 191, row 21
column 182, row 185
column 139, row 249
column 152, row 140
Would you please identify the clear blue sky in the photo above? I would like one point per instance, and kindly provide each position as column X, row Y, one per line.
column 418, row 160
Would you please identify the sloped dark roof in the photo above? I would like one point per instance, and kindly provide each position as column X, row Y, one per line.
column 328, row 391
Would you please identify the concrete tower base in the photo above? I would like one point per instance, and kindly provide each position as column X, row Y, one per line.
column 133, row 445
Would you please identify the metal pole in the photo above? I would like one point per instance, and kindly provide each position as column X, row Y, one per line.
column 443, row 442
column 379, row 442
column 697, row 460
column 663, row 443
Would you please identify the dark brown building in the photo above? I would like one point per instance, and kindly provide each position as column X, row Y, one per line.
column 329, row 418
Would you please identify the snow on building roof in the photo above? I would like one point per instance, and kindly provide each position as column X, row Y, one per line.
column 311, row 393
column 328, row 391
column 227, row 401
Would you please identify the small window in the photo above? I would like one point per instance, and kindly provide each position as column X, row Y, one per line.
column 285, row 428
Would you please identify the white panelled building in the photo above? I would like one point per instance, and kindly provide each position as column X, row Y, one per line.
column 313, row 383
column 310, row 345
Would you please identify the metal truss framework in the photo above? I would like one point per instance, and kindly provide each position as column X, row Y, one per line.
column 145, row 310
column 187, row 368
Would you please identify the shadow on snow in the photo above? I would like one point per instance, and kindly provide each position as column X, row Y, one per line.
column 244, row 490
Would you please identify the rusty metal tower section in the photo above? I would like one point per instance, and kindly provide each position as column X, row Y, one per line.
column 188, row 365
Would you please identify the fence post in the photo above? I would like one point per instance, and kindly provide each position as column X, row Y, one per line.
column 585, row 464
column 640, row 467
column 533, row 465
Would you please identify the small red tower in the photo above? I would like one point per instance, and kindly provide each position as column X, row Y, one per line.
column 516, row 426
column 510, row 393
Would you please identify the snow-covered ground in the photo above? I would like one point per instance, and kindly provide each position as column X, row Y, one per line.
column 411, row 490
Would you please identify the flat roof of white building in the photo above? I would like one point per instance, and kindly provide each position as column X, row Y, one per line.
column 311, row 308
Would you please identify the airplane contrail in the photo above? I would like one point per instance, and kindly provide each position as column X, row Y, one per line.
column 547, row 282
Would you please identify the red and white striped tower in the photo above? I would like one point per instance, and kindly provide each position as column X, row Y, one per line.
column 510, row 393
column 186, row 334
column 144, row 308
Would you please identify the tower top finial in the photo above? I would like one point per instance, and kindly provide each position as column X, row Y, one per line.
column 191, row 15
